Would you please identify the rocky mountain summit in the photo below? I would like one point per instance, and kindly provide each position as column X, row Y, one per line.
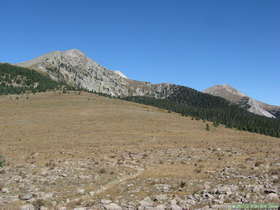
column 75, row 68
column 235, row 96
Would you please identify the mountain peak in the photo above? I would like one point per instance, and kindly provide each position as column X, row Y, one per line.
column 235, row 96
column 74, row 53
column 226, row 86
column 224, row 89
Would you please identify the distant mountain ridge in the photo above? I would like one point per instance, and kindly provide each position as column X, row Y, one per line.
column 74, row 68
column 235, row 96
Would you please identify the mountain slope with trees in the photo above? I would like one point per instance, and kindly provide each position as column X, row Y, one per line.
column 17, row 80
column 190, row 102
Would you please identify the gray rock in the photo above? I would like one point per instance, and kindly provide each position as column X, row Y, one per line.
column 257, row 188
column 44, row 196
column 147, row 202
column 163, row 187
column 146, row 208
column 174, row 206
column 5, row 190
column 91, row 193
column 191, row 201
column 112, row 206
column 54, row 203
column 161, row 197
column 129, row 206
column 160, row 207
column 81, row 191
column 104, row 201
column 225, row 190
column 272, row 197
column 27, row 207
column 218, row 201
column 25, row 196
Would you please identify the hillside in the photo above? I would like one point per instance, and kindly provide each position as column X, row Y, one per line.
column 17, row 80
column 101, row 153
column 190, row 102
column 75, row 69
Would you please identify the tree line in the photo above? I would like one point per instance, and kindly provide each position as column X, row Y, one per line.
column 18, row 80
column 189, row 102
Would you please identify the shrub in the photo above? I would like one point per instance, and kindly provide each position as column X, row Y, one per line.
column 2, row 161
column 102, row 171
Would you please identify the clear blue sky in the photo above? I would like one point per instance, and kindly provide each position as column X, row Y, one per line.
column 196, row 43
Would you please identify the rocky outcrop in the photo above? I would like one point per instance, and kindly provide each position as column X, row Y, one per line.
column 75, row 68
column 233, row 95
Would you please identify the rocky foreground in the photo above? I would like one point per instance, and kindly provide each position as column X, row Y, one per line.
column 120, row 174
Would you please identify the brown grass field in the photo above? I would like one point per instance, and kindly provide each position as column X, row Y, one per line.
column 60, row 143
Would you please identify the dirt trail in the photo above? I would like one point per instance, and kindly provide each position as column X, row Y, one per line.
column 113, row 183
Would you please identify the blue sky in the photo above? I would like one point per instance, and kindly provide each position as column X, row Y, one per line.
column 196, row 43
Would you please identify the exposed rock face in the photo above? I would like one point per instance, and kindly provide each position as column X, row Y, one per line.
column 75, row 68
column 121, row 74
column 252, row 105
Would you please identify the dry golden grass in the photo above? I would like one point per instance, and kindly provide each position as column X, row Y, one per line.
column 57, row 126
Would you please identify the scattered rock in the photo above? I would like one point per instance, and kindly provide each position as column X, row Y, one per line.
column 5, row 190
column 105, row 202
column 146, row 203
column 160, row 207
column 161, row 197
column 272, row 197
column 91, row 193
column 112, row 206
column 163, row 187
column 174, row 206
column 81, row 191
column 25, row 196
column 27, row 207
